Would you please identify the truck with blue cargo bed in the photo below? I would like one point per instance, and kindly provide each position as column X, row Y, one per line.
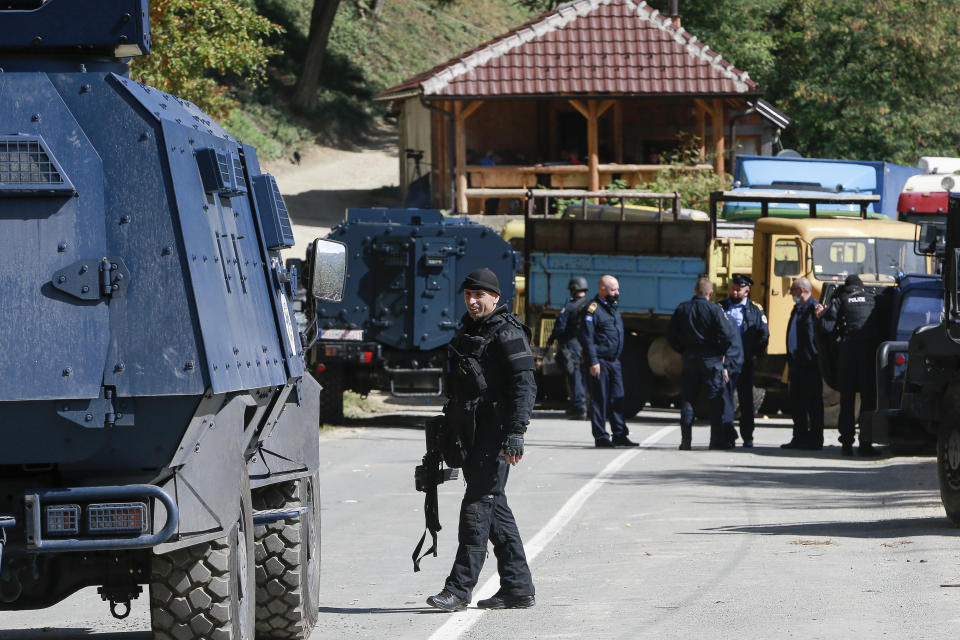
column 157, row 427
column 812, row 177
column 402, row 302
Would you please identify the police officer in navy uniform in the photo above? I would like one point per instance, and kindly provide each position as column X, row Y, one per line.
column 566, row 332
column 601, row 336
column 850, row 320
column 700, row 332
column 492, row 390
column 751, row 323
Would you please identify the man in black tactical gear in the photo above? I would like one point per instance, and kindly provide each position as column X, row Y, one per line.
column 700, row 332
column 804, row 384
column 566, row 331
column 492, row 390
column 601, row 336
column 751, row 322
column 850, row 321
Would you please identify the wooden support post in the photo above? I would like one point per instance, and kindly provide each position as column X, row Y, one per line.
column 618, row 132
column 719, row 148
column 460, row 114
column 593, row 145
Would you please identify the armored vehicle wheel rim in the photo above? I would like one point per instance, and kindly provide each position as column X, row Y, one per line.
column 240, row 578
column 313, row 549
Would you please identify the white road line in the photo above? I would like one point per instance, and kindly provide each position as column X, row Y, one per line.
column 460, row 623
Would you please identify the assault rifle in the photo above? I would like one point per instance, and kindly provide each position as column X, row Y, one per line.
column 428, row 476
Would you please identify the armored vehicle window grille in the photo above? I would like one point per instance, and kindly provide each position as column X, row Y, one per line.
column 239, row 184
column 26, row 162
column 283, row 217
column 224, row 167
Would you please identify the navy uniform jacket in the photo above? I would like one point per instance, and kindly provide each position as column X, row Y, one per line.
column 601, row 332
column 805, row 351
column 700, row 328
column 850, row 316
column 754, row 332
column 565, row 329
column 734, row 355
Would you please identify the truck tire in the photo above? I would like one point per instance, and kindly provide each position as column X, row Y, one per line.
column 948, row 467
column 331, row 395
column 288, row 562
column 206, row 591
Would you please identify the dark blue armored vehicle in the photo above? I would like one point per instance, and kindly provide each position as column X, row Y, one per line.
column 402, row 301
column 155, row 422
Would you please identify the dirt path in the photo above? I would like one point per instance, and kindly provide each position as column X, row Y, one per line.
column 328, row 181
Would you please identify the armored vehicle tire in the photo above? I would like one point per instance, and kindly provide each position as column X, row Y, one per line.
column 331, row 395
column 948, row 466
column 207, row 590
column 288, row 561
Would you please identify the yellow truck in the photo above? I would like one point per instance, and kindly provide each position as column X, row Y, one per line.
column 658, row 261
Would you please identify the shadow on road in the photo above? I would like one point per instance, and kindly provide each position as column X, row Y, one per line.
column 895, row 528
column 61, row 633
column 368, row 610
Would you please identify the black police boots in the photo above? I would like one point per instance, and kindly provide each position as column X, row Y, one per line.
column 447, row 601
column 503, row 601
column 686, row 436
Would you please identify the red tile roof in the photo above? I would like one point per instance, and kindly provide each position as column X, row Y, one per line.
column 585, row 47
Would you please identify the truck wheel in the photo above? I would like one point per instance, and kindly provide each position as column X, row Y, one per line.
column 207, row 590
column 948, row 467
column 331, row 395
column 288, row 561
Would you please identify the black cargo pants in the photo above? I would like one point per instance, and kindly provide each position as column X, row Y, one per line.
column 485, row 515
column 856, row 368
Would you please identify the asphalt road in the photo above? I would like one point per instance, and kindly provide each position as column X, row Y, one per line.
column 643, row 543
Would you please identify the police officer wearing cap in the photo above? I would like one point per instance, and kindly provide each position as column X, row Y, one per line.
column 601, row 336
column 751, row 323
column 492, row 390
column 566, row 332
column 700, row 332
column 851, row 322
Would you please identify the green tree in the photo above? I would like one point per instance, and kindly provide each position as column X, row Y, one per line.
column 201, row 47
column 873, row 80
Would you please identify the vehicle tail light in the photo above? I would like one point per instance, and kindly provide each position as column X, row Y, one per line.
column 63, row 519
column 368, row 356
column 117, row 517
column 320, row 368
column 900, row 359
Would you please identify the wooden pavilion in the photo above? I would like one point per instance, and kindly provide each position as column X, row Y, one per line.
column 592, row 91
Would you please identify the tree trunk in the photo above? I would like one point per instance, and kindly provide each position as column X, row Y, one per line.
column 321, row 20
column 378, row 7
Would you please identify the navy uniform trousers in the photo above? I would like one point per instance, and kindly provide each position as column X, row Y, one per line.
column 707, row 372
column 741, row 386
column 485, row 515
column 606, row 401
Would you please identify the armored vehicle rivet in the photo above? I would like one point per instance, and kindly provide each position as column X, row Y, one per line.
column 206, row 207
column 120, row 367
column 189, row 365
column 62, row 279
column 88, row 417
column 68, row 371
column 119, row 415
column 144, row 136
column 125, row 17
column 228, row 366
column 36, row 117
column 84, row 289
column 167, row 250
column 84, row 268
column 85, row 89
column 236, row 351
column 37, row 40
column 214, row 367
column 122, row 39
column 196, row 449
column 113, row 266
column 116, row 287
column 248, row 364
column 124, row 219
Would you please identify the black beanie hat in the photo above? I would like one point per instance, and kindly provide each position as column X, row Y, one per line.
column 853, row 280
column 482, row 279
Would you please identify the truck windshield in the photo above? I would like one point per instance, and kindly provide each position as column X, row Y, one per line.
column 917, row 310
column 873, row 259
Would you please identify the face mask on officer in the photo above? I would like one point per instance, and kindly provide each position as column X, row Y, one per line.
column 796, row 299
column 613, row 298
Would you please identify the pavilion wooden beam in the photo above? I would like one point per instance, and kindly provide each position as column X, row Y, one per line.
column 618, row 132
column 593, row 144
column 701, row 129
column 461, row 112
column 604, row 106
column 719, row 147
column 581, row 107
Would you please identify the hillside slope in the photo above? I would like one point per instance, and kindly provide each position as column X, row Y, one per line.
column 366, row 54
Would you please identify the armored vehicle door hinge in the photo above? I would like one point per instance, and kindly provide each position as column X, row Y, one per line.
column 93, row 279
column 97, row 413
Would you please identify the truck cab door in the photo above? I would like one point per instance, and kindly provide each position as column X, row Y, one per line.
column 784, row 264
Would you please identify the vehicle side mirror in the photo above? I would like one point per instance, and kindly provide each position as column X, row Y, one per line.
column 930, row 238
column 328, row 270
